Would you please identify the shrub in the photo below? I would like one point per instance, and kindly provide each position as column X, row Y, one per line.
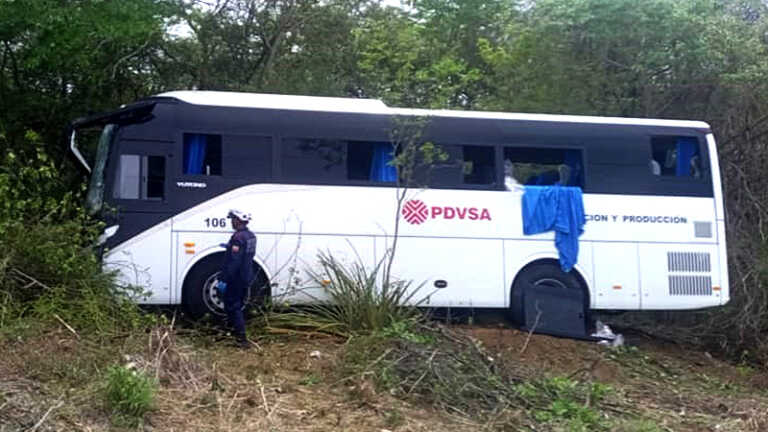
column 33, row 189
column 48, row 266
column 129, row 395
column 357, row 302
column 47, row 273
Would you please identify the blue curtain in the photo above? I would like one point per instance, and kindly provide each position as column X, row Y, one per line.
column 194, row 153
column 381, row 168
column 573, row 161
column 687, row 148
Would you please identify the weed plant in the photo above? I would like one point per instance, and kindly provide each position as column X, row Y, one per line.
column 564, row 400
column 129, row 395
column 357, row 301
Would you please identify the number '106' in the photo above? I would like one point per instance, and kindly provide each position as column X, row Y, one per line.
column 216, row 222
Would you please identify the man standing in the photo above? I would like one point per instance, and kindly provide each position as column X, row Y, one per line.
column 237, row 273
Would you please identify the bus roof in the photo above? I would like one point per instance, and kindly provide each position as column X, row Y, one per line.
column 283, row 102
column 375, row 106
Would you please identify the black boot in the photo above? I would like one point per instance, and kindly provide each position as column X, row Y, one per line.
column 243, row 341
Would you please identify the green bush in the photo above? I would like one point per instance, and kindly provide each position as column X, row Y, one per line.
column 46, row 273
column 33, row 189
column 49, row 269
column 129, row 395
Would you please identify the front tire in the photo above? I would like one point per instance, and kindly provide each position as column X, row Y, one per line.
column 200, row 296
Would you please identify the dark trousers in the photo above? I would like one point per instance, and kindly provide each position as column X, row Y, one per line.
column 234, row 297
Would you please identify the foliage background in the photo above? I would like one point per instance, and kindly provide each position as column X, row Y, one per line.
column 692, row 59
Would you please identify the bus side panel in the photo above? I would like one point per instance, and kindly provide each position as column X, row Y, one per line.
column 472, row 270
column 193, row 246
column 617, row 281
column 725, row 290
column 298, row 263
column 720, row 220
column 717, row 184
column 679, row 276
column 144, row 261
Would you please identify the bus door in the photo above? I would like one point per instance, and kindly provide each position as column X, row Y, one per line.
column 138, row 204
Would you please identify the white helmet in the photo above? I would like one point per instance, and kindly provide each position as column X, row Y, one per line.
column 243, row 216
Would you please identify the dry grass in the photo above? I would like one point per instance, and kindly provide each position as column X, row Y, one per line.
column 289, row 385
column 298, row 383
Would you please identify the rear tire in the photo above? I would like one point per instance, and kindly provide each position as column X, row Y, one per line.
column 200, row 296
column 536, row 275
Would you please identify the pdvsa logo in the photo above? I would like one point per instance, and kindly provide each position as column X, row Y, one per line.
column 415, row 212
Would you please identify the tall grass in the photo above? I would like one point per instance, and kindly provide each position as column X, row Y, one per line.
column 357, row 300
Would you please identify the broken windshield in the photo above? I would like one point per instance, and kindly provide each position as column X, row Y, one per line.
column 95, row 198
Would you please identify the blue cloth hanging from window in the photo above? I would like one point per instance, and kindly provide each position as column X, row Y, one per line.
column 194, row 153
column 382, row 169
column 548, row 208
column 687, row 148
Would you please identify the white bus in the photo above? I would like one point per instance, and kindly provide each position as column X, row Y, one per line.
column 313, row 173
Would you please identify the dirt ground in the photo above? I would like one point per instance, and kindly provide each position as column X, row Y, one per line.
column 678, row 388
column 291, row 383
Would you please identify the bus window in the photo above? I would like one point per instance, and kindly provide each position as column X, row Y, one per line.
column 545, row 166
column 155, row 177
column 479, row 166
column 675, row 156
column 248, row 157
column 458, row 166
column 140, row 177
column 202, row 154
column 371, row 161
column 128, row 178
column 314, row 160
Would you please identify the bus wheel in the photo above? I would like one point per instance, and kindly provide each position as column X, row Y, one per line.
column 544, row 274
column 200, row 296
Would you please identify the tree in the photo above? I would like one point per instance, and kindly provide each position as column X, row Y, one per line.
column 61, row 60
column 288, row 46
column 399, row 62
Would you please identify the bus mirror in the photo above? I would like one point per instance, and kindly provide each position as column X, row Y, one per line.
column 108, row 232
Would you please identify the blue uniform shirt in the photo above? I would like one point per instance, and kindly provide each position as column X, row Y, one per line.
column 238, row 260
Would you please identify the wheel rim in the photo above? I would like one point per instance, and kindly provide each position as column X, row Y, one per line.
column 211, row 297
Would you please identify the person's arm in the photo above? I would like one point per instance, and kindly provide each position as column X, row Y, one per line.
column 232, row 266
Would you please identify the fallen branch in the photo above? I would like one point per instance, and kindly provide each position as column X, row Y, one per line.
column 45, row 416
column 30, row 278
column 530, row 332
column 66, row 325
column 264, row 398
column 429, row 365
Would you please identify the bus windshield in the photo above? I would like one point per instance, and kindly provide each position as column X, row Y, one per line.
column 95, row 197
